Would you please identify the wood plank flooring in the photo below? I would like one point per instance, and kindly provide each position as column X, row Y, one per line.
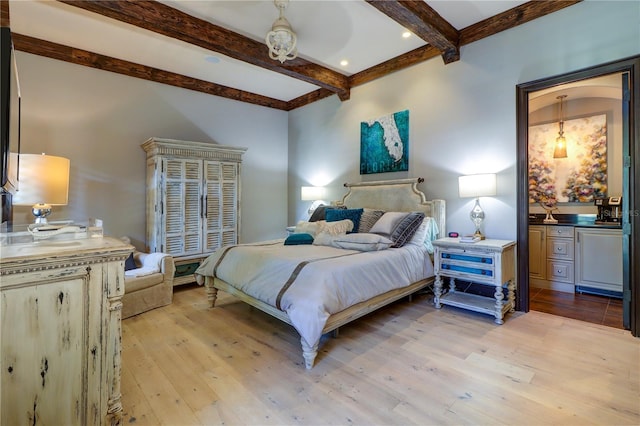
column 406, row 364
column 584, row 307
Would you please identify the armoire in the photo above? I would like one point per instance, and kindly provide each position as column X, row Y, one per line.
column 192, row 200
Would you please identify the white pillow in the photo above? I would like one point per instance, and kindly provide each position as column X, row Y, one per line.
column 306, row 228
column 335, row 228
column 362, row 242
column 387, row 223
column 421, row 233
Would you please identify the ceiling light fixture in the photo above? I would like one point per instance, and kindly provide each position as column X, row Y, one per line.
column 406, row 34
column 281, row 40
column 560, row 150
column 344, row 62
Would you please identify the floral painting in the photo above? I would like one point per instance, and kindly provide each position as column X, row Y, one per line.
column 582, row 176
column 384, row 144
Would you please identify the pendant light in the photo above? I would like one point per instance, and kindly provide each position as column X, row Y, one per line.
column 281, row 40
column 560, row 150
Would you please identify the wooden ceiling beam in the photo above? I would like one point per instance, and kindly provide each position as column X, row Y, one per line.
column 162, row 19
column 422, row 20
column 4, row 13
column 94, row 60
column 511, row 18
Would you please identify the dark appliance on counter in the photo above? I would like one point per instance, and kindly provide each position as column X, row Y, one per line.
column 609, row 210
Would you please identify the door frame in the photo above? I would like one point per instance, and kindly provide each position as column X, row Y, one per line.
column 632, row 66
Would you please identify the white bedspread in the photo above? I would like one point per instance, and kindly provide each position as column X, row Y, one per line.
column 331, row 281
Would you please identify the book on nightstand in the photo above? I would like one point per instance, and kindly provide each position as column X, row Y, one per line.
column 469, row 239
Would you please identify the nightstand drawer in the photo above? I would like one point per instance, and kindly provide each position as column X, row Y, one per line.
column 473, row 265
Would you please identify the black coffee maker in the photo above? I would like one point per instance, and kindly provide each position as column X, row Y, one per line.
column 609, row 210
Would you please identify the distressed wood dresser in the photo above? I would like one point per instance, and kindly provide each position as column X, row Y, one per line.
column 60, row 307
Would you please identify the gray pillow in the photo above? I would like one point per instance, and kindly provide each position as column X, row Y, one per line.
column 368, row 219
column 406, row 228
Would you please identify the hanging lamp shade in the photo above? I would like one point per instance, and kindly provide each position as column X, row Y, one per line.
column 560, row 150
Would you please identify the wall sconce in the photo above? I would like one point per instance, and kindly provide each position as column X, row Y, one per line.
column 477, row 186
column 44, row 182
column 312, row 193
column 560, row 150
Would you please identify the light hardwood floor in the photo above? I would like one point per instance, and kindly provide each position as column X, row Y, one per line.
column 186, row 364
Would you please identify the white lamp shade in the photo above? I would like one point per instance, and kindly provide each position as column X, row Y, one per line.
column 483, row 185
column 312, row 193
column 43, row 179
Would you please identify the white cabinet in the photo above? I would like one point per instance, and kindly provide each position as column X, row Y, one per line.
column 599, row 260
column 193, row 200
column 60, row 306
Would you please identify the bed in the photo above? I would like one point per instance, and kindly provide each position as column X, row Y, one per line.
column 318, row 288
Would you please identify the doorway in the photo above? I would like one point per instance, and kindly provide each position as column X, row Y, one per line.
column 590, row 91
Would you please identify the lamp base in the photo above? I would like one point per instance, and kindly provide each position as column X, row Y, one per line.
column 41, row 211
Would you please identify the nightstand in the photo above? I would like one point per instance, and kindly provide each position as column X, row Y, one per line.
column 487, row 262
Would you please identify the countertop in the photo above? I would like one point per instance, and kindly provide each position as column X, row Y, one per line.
column 578, row 220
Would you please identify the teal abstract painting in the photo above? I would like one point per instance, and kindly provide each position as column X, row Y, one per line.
column 384, row 144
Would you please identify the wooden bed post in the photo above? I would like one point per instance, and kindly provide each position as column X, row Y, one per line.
column 212, row 292
column 309, row 353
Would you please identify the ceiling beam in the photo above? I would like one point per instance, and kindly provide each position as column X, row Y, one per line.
column 4, row 13
column 509, row 19
column 94, row 60
column 512, row 18
column 424, row 22
column 162, row 19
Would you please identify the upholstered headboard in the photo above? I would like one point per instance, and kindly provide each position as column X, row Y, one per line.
column 394, row 195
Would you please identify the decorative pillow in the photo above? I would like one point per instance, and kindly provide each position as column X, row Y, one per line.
column 320, row 212
column 361, row 242
column 406, row 228
column 298, row 239
column 426, row 233
column 307, row 228
column 387, row 223
column 130, row 264
column 334, row 228
column 368, row 219
column 353, row 215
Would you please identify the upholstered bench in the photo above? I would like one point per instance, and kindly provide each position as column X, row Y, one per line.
column 148, row 282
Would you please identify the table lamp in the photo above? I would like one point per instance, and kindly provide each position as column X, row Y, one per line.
column 44, row 182
column 482, row 185
column 312, row 193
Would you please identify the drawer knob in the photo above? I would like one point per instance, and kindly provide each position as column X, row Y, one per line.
column 559, row 271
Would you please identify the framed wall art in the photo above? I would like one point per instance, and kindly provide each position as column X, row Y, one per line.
column 581, row 176
column 384, row 144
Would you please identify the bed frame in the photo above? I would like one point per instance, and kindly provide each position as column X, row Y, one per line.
column 391, row 195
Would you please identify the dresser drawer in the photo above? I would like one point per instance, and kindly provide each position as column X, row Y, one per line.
column 560, row 248
column 558, row 270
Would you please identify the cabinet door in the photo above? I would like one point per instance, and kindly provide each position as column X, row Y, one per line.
column 45, row 330
column 182, row 201
column 221, row 214
column 599, row 258
column 537, row 252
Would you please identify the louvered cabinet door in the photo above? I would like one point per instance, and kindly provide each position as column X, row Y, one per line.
column 221, row 218
column 182, row 200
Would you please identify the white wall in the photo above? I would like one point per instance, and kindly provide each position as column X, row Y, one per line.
column 462, row 116
column 98, row 120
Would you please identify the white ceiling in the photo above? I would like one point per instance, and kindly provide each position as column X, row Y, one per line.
column 328, row 31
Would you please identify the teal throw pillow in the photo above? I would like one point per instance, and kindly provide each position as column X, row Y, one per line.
column 340, row 214
column 298, row 239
